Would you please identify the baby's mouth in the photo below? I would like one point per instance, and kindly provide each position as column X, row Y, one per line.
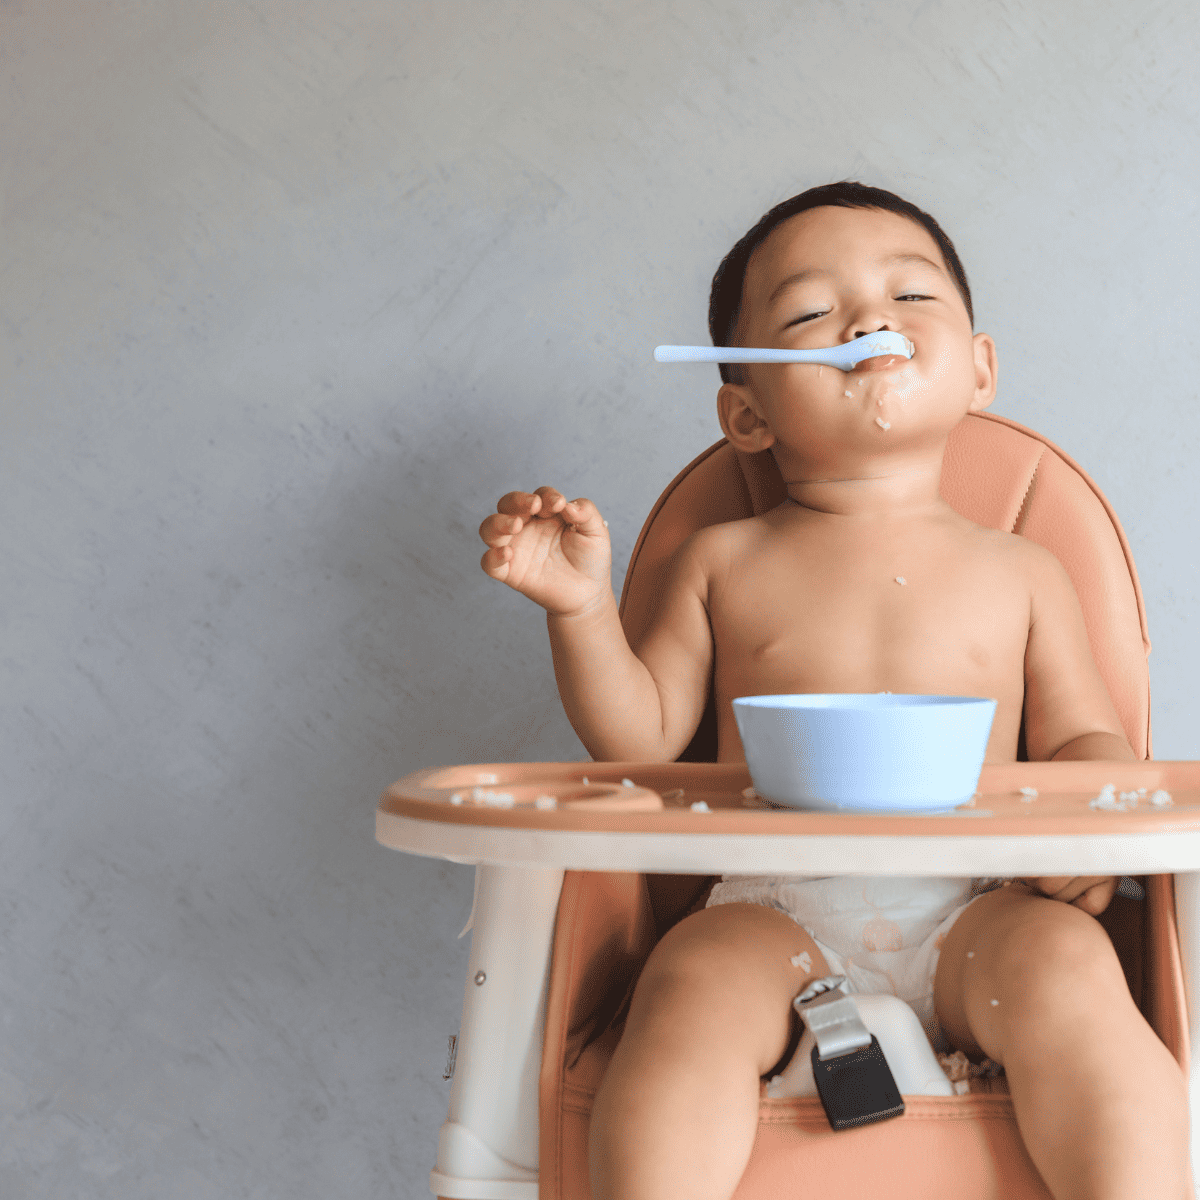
column 881, row 362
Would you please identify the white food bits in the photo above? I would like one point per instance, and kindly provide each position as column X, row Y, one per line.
column 970, row 953
column 995, row 1002
column 486, row 778
column 700, row 806
column 545, row 802
column 882, row 423
column 1028, row 792
column 585, row 781
column 493, row 799
column 850, row 394
column 1108, row 800
column 605, row 524
column 803, row 961
column 957, row 1067
column 1160, row 799
column 960, row 1070
column 456, row 798
column 628, row 783
column 901, row 581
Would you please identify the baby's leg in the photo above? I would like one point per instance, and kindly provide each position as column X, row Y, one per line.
column 676, row 1115
column 1100, row 1101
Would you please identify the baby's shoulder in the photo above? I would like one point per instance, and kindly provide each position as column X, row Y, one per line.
column 1010, row 553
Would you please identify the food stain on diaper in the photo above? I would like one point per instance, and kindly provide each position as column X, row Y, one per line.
column 881, row 934
column 802, row 960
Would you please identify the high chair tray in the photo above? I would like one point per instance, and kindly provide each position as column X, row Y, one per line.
column 703, row 818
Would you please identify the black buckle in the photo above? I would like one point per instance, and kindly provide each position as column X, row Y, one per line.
column 857, row 1088
column 853, row 1078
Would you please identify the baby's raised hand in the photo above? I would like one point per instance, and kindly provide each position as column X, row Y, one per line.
column 556, row 552
column 1092, row 893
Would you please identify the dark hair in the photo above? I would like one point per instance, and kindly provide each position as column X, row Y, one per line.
column 725, row 300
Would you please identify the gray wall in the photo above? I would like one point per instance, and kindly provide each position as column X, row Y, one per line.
column 291, row 293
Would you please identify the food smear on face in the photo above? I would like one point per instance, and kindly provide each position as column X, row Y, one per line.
column 882, row 423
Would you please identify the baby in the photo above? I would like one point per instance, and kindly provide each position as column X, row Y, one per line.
column 807, row 598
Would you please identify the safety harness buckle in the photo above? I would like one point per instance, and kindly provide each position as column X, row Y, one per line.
column 852, row 1075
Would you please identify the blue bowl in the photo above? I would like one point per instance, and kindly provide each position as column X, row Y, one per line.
column 866, row 753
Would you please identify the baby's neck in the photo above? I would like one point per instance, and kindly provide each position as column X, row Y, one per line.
column 902, row 496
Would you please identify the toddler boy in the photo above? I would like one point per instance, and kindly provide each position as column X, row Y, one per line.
column 863, row 580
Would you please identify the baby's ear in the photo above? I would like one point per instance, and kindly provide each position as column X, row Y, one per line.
column 985, row 371
column 740, row 422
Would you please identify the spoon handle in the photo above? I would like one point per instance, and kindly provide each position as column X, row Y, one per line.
column 736, row 354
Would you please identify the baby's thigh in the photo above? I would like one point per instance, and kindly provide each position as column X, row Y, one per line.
column 725, row 978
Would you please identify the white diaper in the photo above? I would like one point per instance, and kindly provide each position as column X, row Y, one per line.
column 884, row 933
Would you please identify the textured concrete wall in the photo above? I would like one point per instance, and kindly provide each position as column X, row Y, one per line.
column 290, row 293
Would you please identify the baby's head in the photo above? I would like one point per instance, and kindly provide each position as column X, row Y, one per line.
column 725, row 299
column 824, row 268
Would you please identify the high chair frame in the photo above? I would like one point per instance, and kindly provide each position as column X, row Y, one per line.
column 562, row 924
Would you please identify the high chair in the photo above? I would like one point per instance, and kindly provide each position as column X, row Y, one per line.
column 578, row 874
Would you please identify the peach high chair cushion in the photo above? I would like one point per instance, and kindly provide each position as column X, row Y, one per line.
column 996, row 473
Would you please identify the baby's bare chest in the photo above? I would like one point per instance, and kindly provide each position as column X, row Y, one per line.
column 856, row 618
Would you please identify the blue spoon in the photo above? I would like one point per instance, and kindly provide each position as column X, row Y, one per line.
column 844, row 357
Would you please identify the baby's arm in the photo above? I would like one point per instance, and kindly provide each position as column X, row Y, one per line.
column 625, row 706
column 1068, row 711
column 642, row 706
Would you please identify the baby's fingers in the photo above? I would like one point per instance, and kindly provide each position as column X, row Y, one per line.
column 499, row 529
column 583, row 516
column 1098, row 897
column 1092, row 893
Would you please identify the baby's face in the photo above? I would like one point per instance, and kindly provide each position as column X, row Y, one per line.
column 830, row 275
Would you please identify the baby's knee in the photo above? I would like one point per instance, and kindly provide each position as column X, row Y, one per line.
column 1057, row 944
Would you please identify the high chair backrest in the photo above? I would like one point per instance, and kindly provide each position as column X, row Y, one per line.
column 996, row 473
